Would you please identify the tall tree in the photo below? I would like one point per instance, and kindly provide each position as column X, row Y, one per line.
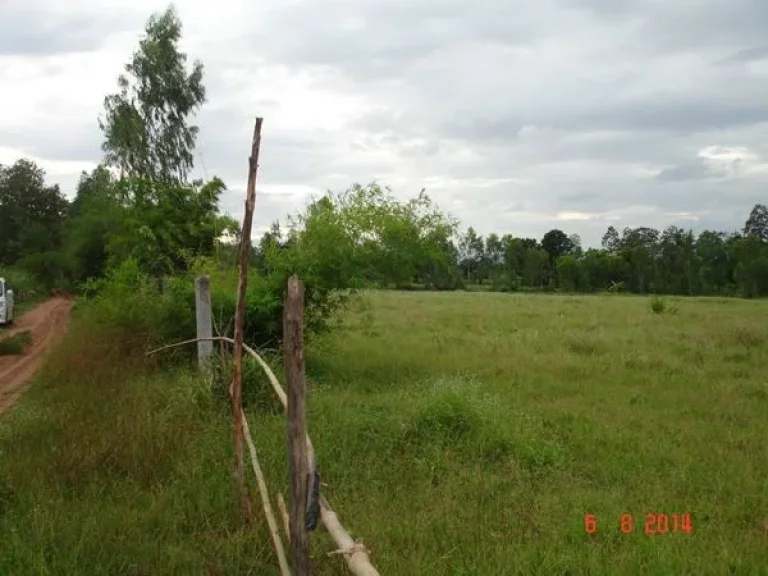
column 716, row 271
column 494, row 256
column 31, row 213
column 611, row 240
column 146, row 124
column 556, row 243
column 94, row 216
column 471, row 252
column 757, row 223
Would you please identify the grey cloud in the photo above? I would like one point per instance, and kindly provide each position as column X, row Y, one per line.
column 579, row 200
column 565, row 97
column 224, row 145
column 686, row 25
column 747, row 55
column 72, row 142
column 372, row 41
column 692, row 171
column 35, row 31
column 675, row 115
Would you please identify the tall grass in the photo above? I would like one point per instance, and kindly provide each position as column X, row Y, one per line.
column 456, row 433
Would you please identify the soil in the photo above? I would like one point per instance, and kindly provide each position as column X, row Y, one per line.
column 47, row 323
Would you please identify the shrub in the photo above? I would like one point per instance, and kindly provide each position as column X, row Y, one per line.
column 507, row 282
column 15, row 344
column 24, row 284
column 658, row 305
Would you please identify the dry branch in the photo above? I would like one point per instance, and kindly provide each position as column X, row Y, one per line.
column 354, row 552
column 284, row 514
column 271, row 521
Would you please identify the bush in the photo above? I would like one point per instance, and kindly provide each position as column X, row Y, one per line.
column 15, row 344
column 23, row 283
column 658, row 305
column 46, row 269
column 507, row 282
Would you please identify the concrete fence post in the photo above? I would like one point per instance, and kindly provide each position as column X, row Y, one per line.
column 204, row 322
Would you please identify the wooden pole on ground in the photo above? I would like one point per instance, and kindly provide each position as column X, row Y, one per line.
column 271, row 520
column 204, row 323
column 237, row 354
column 293, row 311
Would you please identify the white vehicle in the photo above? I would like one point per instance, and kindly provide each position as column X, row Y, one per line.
column 6, row 302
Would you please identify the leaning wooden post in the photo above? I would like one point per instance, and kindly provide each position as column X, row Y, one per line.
column 204, row 323
column 293, row 311
column 237, row 354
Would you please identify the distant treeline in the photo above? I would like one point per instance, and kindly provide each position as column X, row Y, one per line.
column 640, row 260
column 413, row 245
column 361, row 237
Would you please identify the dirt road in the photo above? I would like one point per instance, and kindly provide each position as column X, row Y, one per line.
column 47, row 323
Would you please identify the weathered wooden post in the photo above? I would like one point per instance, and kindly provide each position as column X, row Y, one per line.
column 204, row 323
column 293, row 311
column 237, row 352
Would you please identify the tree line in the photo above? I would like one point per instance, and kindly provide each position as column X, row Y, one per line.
column 141, row 206
column 412, row 245
column 639, row 260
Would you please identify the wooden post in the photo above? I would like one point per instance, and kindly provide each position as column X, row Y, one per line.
column 237, row 354
column 293, row 311
column 204, row 323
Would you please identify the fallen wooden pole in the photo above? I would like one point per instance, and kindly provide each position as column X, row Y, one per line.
column 284, row 514
column 354, row 553
column 268, row 512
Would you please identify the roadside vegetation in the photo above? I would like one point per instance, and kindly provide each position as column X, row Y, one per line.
column 15, row 344
column 459, row 431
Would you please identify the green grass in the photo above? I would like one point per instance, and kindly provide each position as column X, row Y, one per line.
column 15, row 344
column 458, row 433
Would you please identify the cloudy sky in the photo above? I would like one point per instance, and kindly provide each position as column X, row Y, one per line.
column 517, row 116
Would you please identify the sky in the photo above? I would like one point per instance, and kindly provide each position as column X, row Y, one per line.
column 516, row 116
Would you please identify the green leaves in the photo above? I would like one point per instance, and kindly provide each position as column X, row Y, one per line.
column 31, row 213
column 365, row 236
column 145, row 124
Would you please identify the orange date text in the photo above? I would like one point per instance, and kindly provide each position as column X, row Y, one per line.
column 649, row 523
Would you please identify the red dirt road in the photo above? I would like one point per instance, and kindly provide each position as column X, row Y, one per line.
column 47, row 323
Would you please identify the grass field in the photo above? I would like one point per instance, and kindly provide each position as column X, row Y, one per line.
column 458, row 434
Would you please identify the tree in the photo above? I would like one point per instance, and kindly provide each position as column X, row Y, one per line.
column 716, row 269
column 146, row 123
column 471, row 252
column 576, row 248
column 166, row 226
column 31, row 213
column 567, row 269
column 535, row 262
column 611, row 241
column 751, row 270
column 493, row 260
column 757, row 223
column 556, row 243
column 94, row 217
